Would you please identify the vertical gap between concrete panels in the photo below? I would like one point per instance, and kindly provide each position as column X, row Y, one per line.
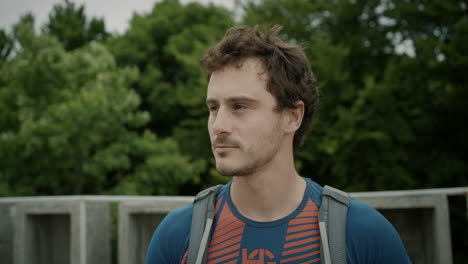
column 114, row 211
column 82, row 232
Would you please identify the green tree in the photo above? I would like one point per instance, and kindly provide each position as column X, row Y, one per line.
column 72, row 28
column 73, row 125
column 6, row 46
column 392, row 81
column 166, row 45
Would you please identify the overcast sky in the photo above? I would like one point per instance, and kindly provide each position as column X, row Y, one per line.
column 116, row 13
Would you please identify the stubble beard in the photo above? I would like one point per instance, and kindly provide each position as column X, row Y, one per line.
column 253, row 158
column 249, row 168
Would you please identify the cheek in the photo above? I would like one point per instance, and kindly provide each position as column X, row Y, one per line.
column 209, row 126
column 269, row 132
column 211, row 135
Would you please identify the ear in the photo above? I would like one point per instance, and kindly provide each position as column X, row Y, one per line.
column 294, row 117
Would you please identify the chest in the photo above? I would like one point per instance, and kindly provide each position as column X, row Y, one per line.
column 293, row 240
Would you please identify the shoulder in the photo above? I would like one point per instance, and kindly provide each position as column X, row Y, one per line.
column 170, row 239
column 371, row 238
column 315, row 191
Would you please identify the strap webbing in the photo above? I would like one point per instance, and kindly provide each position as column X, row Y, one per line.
column 204, row 241
column 325, row 251
column 333, row 214
column 202, row 220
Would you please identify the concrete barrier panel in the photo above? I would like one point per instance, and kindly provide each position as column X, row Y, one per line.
column 65, row 231
column 138, row 219
column 422, row 221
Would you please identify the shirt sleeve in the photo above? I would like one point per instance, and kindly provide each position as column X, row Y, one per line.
column 170, row 240
column 371, row 238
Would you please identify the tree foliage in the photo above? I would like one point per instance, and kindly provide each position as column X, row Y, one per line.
column 166, row 45
column 72, row 125
column 87, row 112
column 392, row 81
column 72, row 28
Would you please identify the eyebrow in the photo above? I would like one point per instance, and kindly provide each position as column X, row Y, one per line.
column 232, row 99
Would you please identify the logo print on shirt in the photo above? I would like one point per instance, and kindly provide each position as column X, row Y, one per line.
column 257, row 256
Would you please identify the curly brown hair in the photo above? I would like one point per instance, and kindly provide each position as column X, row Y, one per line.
column 290, row 77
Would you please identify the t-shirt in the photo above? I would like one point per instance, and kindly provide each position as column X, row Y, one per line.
column 294, row 239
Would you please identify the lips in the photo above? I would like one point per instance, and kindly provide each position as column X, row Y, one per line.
column 224, row 147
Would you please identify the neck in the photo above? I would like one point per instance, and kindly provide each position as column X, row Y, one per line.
column 271, row 193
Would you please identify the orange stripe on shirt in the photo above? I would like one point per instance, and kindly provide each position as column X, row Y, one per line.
column 226, row 216
column 226, row 243
column 307, row 214
column 303, row 221
column 225, row 219
column 233, row 255
column 303, row 234
column 227, row 236
column 302, row 228
column 311, row 261
column 224, row 251
column 221, row 230
column 296, row 250
column 300, row 257
column 311, row 206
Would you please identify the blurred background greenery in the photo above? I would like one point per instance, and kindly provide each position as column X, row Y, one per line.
column 84, row 111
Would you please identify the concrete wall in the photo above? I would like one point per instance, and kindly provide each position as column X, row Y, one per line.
column 77, row 229
column 422, row 221
column 55, row 230
column 137, row 221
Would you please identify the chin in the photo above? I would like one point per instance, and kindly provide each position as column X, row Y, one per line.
column 231, row 171
column 226, row 171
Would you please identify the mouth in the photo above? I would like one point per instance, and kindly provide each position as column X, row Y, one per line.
column 224, row 148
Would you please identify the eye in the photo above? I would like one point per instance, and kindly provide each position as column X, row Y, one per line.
column 213, row 108
column 239, row 107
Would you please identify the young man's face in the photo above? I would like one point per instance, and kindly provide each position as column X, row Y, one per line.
column 245, row 129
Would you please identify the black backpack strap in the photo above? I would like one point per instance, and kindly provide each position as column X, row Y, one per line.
column 333, row 214
column 202, row 220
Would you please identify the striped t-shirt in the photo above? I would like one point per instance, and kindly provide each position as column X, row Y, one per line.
column 293, row 239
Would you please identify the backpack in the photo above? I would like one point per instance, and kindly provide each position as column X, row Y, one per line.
column 332, row 224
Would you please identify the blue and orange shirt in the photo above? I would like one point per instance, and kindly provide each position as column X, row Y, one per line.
column 294, row 239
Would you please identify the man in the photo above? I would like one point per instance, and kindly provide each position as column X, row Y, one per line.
column 261, row 98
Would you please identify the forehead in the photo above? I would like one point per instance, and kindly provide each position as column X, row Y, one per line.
column 246, row 79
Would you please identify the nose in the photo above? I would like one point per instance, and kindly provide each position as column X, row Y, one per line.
column 221, row 122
